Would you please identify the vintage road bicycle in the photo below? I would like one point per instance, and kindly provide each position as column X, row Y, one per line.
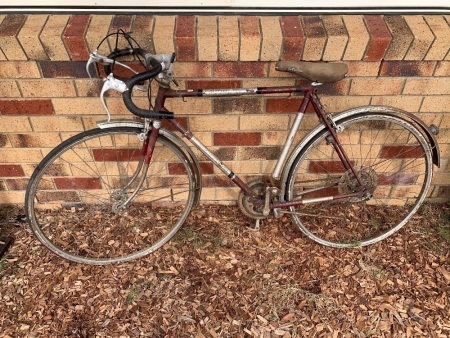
column 122, row 190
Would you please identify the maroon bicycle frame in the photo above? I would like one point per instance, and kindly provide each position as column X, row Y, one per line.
column 309, row 96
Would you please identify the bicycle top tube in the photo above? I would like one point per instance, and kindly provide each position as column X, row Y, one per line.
column 169, row 93
column 160, row 66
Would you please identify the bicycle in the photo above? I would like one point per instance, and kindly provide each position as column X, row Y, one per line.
column 122, row 190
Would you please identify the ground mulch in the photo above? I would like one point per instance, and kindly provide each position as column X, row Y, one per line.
column 219, row 277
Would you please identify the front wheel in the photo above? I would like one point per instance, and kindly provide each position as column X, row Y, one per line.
column 392, row 160
column 86, row 200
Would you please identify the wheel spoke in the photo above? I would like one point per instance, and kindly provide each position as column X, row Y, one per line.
column 392, row 160
column 76, row 198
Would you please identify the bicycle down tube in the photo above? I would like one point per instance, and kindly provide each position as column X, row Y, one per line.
column 309, row 96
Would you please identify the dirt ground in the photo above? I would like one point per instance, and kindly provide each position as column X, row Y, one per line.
column 219, row 277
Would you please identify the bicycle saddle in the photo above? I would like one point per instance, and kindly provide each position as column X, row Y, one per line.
column 322, row 72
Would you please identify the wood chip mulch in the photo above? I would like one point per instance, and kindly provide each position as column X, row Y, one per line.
column 219, row 277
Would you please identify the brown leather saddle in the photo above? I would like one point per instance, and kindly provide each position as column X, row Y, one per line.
column 321, row 72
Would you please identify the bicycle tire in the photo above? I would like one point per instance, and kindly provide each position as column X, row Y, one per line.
column 388, row 152
column 74, row 200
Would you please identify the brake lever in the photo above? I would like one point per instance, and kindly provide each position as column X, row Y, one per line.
column 111, row 83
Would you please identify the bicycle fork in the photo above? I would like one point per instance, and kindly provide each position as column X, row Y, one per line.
column 144, row 162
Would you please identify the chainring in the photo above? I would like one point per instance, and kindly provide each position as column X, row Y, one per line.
column 252, row 205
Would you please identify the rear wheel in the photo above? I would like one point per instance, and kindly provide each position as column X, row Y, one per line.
column 85, row 202
column 391, row 158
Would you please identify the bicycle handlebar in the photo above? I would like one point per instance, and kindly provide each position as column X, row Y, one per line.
column 135, row 79
column 126, row 95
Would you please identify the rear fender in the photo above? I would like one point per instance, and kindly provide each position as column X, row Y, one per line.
column 428, row 131
column 411, row 118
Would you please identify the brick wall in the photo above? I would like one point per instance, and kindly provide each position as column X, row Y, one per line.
column 45, row 97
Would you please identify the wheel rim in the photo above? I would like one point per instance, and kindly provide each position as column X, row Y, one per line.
column 403, row 173
column 88, row 221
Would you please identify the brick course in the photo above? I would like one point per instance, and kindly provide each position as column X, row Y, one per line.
column 45, row 96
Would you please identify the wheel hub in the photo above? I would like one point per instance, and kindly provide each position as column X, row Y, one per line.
column 349, row 184
column 118, row 198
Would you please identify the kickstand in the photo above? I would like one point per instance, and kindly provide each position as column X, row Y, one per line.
column 257, row 226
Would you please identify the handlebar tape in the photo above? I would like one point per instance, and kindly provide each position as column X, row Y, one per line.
column 138, row 78
column 126, row 95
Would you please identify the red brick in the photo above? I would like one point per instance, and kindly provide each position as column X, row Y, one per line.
column 293, row 38
column 3, row 140
column 407, row 68
column 323, row 167
column 313, row 27
column 226, row 153
column 179, row 169
column 64, row 183
column 237, row 139
column 401, row 152
column 325, row 192
column 143, row 32
column 124, row 72
column 185, row 38
column 286, row 105
column 240, row 105
column 207, row 167
column 169, row 181
column 336, row 88
column 122, row 154
column 240, row 69
column 261, row 153
column 17, row 183
column 74, row 37
column 216, row 181
column 11, row 24
column 26, row 107
column 176, row 169
column 58, row 69
column 214, row 84
column 11, row 170
column 9, row 30
column 380, row 38
column 166, row 124
column 121, row 22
